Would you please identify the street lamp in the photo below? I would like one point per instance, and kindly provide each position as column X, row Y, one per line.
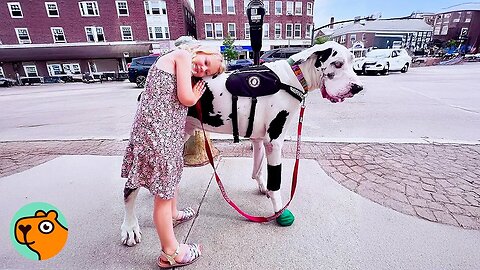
column 255, row 14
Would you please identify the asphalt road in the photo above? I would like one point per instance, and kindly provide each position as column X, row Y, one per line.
column 426, row 104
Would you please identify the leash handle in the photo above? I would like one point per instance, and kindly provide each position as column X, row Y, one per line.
column 222, row 188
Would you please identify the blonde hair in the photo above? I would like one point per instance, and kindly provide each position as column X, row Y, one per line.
column 194, row 47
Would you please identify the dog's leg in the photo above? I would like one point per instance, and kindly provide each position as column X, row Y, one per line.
column 131, row 234
column 258, row 164
column 274, row 172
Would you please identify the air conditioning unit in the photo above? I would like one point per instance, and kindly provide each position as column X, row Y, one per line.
column 289, row 13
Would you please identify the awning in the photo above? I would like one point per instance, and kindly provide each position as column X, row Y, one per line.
column 49, row 53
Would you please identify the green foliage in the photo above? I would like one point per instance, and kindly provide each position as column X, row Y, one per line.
column 230, row 53
column 321, row 40
column 452, row 43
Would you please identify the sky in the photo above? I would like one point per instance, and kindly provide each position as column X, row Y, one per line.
column 344, row 10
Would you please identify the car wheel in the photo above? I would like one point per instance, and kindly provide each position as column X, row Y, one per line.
column 386, row 70
column 140, row 81
column 405, row 68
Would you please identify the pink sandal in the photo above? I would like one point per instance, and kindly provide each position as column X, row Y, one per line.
column 192, row 255
column 184, row 215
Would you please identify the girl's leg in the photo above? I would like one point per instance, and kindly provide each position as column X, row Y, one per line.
column 174, row 204
column 162, row 217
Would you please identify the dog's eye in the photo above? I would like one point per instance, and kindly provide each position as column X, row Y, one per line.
column 45, row 226
column 338, row 64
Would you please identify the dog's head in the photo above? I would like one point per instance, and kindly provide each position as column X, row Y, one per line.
column 329, row 67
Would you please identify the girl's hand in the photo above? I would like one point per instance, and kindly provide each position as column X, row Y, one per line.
column 199, row 88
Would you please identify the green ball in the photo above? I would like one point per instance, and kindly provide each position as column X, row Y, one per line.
column 286, row 218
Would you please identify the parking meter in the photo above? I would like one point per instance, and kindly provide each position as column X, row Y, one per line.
column 255, row 14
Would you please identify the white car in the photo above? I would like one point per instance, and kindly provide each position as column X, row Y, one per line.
column 383, row 61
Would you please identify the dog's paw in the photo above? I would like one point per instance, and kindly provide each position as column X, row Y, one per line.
column 131, row 234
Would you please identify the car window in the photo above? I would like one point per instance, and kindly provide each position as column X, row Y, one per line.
column 277, row 55
column 149, row 60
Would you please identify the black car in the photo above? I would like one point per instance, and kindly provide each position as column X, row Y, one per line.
column 138, row 69
column 280, row 53
column 238, row 64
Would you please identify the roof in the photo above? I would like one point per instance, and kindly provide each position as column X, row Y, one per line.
column 461, row 7
column 407, row 25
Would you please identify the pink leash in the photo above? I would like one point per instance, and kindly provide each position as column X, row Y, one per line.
column 294, row 177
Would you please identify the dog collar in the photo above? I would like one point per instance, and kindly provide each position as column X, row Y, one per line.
column 298, row 72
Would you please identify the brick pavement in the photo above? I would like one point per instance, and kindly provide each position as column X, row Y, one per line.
column 436, row 182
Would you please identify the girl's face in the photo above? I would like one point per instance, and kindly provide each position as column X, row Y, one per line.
column 205, row 64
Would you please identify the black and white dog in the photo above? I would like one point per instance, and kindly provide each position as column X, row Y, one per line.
column 327, row 67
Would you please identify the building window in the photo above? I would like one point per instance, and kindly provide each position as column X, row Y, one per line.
column 298, row 8
column 278, row 31
column 298, row 31
column 88, row 8
column 94, row 34
column 218, row 30
column 155, row 8
column 444, row 30
column 207, row 6
column 126, row 32
column 232, row 31
column 458, row 16
column 343, row 38
column 15, row 10
column 309, row 9
column 353, row 37
column 278, row 7
column 468, row 17
column 72, row 68
column 364, row 37
column 308, row 31
column 30, row 70
column 266, row 5
column 209, row 30
column 230, row 7
column 245, row 5
column 288, row 30
column 266, row 32
column 58, row 35
column 52, row 9
column 23, row 36
column 122, row 8
column 158, row 32
column 289, row 8
column 217, row 7
column 247, row 31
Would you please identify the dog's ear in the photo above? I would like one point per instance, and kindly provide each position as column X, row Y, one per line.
column 320, row 52
column 322, row 56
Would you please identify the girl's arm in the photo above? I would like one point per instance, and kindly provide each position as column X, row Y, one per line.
column 187, row 95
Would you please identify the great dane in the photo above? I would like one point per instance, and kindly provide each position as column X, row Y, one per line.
column 327, row 67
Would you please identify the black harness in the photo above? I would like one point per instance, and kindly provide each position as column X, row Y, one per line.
column 253, row 82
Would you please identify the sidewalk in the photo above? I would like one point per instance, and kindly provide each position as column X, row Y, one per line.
column 335, row 228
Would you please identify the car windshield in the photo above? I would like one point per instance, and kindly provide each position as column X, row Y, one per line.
column 378, row 54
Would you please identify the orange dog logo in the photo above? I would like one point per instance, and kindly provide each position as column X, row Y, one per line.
column 42, row 233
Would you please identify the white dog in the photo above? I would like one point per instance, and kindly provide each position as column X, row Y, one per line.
column 266, row 117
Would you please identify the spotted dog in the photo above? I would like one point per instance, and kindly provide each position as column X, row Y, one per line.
column 327, row 67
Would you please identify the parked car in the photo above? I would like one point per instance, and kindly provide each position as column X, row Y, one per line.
column 138, row 69
column 280, row 53
column 6, row 82
column 383, row 61
column 238, row 64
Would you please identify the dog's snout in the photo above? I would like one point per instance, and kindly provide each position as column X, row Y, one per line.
column 24, row 229
column 356, row 88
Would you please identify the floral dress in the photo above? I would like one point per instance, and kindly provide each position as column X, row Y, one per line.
column 154, row 155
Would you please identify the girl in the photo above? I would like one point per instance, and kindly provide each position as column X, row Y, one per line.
column 154, row 155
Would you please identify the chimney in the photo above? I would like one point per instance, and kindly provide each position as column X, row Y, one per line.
column 332, row 20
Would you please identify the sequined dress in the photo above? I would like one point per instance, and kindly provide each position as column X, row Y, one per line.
column 154, row 155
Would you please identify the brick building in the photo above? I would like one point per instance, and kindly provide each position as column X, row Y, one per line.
column 286, row 23
column 461, row 23
column 54, row 38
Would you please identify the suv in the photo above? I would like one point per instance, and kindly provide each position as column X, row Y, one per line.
column 280, row 53
column 138, row 69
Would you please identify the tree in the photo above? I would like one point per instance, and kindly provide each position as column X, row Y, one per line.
column 321, row 40
column 230, row 53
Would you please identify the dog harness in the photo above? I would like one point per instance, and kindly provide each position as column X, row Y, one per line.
column 255, row 82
